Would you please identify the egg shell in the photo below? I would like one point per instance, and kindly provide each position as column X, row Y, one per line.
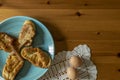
column 75, row 61
column 71, row 73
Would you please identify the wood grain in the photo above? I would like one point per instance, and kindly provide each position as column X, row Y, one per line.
column 73, row 22
column 106, row 69
column 61, row 4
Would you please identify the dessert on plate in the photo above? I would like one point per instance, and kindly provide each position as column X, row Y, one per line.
column 19, row 48
column 13, row 65
column 27, row 33
column 6, row 42
column 36, row 56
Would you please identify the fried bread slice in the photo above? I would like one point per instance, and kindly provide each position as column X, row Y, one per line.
column 36, row 56
column 12, row 66
column 27, row 33
column 6, row 42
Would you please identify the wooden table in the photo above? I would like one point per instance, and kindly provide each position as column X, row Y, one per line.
column 74, row 22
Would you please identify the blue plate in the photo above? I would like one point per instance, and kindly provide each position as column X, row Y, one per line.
column 43, row 39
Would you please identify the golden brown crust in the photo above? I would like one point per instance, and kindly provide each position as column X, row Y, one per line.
column 36, row 56
column 27, row 33
column 6, row 42
column 14, row 62
column 12, row 67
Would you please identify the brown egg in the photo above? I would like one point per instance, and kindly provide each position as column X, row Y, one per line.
column 71, row 73
column 75, row 61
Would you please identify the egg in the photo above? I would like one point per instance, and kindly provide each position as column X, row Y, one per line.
column 71, row 73
column 75, row 61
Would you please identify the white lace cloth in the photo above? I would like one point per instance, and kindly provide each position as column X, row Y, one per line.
column 57, row 71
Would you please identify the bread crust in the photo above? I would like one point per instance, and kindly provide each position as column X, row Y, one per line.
column 12, row 67
column 36, row 56
column 27, row 33
column 6, row 42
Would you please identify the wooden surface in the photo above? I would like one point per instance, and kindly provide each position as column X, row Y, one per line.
column 74, row 22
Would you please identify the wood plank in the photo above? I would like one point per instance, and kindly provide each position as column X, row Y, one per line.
column 106, row 60
column 108, row 71
column 65, row 14
column 76, row 33
column 108, row 67
column 93, row 20
column 98, row 47
column 90, row 35
column 62, row 4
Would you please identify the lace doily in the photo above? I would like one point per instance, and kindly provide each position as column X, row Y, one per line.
column 57, row 71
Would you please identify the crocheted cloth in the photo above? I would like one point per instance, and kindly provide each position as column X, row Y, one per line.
column 57, row 71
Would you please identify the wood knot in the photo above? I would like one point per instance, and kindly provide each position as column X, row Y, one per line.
column 98, row 33
column 48, row 2
column 85, row 4
column 1, row 4
column 78, row 13
column 118, row 70
column 118, row 54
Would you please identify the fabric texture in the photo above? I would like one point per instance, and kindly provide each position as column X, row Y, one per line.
column 57, row 71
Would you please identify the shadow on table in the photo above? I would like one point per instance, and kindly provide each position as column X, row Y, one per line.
column 59, row 39
column 60, row 45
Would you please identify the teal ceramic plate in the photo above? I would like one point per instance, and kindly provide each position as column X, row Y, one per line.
column 43, row 39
